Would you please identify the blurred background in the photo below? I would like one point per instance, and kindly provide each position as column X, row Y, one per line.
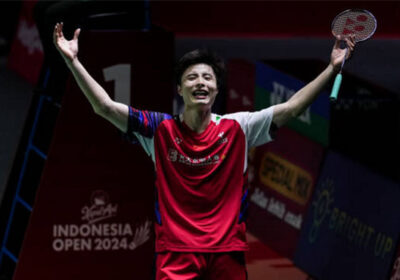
column 324, row 201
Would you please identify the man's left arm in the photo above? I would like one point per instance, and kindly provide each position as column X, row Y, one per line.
column 299, row 102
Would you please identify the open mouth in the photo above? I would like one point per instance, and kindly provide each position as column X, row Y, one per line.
column 200, row 94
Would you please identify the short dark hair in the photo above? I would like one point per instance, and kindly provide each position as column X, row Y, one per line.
column 205, row 56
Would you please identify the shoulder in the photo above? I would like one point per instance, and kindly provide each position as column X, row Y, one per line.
column 148, row 117
column 227, row 118
column 246, row 117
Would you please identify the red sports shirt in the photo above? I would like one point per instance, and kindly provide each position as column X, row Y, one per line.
column 201, row 179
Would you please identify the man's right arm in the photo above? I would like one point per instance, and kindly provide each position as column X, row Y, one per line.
column 102, row 104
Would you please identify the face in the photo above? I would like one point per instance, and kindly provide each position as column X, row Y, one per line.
column 198, row 86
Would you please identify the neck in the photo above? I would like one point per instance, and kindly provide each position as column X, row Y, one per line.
column 197, row 120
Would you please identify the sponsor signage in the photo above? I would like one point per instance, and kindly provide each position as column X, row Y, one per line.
column 274, row 87
column 95, row 232
column 283, row 179
column 26, row 53
column 352, row 225
column 94, row 209
column 240, row 86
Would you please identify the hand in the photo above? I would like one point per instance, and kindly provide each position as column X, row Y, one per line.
column 68, row 49
column 338, row 54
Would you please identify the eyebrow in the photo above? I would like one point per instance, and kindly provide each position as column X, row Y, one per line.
column 196, row 74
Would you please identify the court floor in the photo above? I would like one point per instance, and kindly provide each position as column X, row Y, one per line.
column 265, row 264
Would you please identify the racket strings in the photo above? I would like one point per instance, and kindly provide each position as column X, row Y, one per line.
column 362, row 24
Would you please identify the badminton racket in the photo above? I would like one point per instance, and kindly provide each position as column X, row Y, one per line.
column 353, row 22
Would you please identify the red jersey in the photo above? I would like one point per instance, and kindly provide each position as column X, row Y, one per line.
column 201, row 179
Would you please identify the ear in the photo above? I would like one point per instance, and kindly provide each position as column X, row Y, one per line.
column 179, row 90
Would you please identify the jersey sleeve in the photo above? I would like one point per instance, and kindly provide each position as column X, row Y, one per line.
column 142, row 125
column 255, row 125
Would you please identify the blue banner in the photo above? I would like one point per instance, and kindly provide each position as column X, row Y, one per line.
column 352, row 226
column 282, row 86
column 274, row 87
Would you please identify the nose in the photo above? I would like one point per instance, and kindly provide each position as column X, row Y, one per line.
column 199, row 82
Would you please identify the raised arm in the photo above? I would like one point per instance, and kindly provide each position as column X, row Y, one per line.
column 102, row 104
column 299, row 102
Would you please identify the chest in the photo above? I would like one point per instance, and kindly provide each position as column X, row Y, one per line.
column 178, row 144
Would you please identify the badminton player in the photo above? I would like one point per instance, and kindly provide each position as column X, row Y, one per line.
column 200, row 160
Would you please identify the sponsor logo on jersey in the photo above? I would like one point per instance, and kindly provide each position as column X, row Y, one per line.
column 222, row 139
column 175, row 156
column 178, row 140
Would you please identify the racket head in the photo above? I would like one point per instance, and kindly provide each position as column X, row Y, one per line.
column 361, row 23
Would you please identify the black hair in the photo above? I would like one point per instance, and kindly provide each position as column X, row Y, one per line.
column 201, row 56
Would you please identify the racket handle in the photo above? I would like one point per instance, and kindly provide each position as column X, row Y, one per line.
column 336, row 87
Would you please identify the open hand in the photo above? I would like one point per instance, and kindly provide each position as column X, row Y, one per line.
column 338, row 54
column 68, row 49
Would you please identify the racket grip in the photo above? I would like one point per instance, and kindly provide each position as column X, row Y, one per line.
column 336, row 87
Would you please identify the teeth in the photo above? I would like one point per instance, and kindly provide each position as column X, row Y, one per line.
column 200, row 93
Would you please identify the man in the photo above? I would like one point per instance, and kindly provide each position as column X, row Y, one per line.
column 200, row 160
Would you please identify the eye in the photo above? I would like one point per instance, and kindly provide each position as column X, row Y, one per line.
column 191, row 77
column 208, row 77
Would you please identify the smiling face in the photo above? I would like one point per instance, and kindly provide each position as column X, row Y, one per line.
column 198, row 86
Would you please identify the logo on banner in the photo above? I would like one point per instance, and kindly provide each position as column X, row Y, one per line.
column 281, row 93
column 234, row 95
column 345, row 225
column 95, row 234
column 276, row 208
column 286, row 178
column 322, row 208
column 29, row 37
column 100, row 208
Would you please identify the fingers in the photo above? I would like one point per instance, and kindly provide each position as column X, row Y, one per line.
column 76, row 33
column 350, row 43
column 58, row 31
column 349, row 40
column 337, row 42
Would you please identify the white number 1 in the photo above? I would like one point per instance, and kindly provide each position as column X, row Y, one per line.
column 121, row 74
